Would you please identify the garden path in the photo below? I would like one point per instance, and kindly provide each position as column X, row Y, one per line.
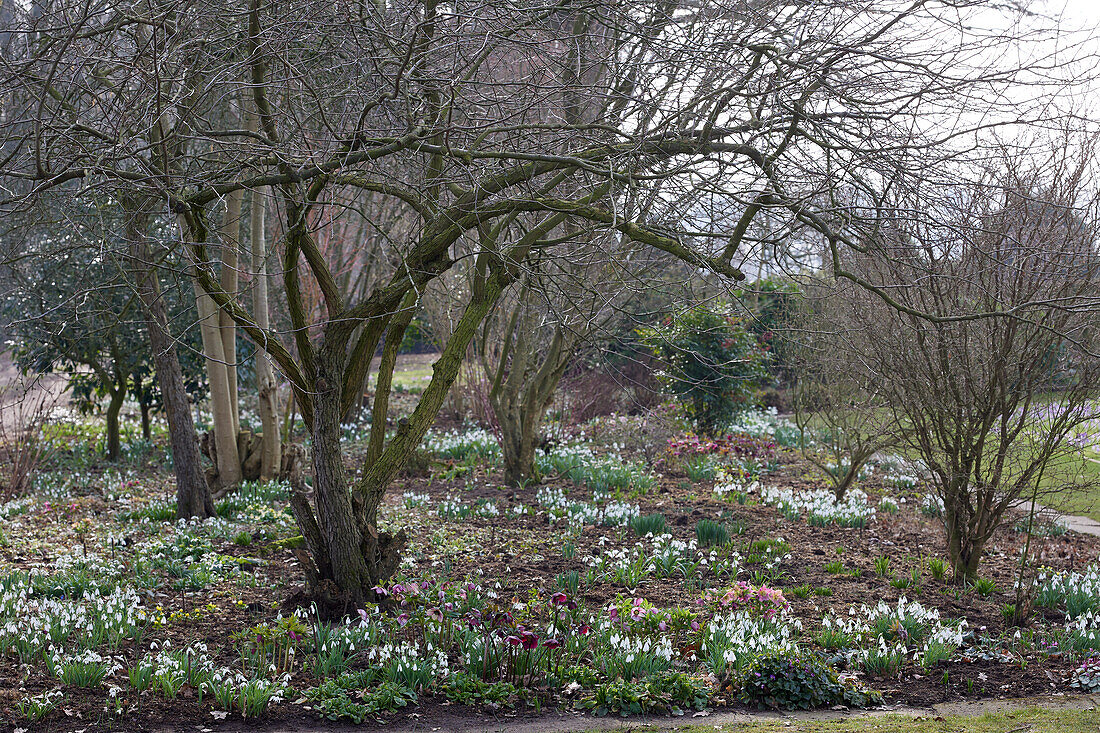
column 562, row 721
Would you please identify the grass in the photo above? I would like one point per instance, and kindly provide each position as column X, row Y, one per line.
column 1031, row 719
column 1085, row 503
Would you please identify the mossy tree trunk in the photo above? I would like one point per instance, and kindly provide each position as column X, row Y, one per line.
column 192, row 494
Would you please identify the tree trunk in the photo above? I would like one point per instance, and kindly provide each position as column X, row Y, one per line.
column 225, row 438
column 963, row 551
column 349, row 554
column 114, row 441
column 230, row 237
column 192, row 494
column 146, row 426
column 519, row 439
column 266, row 386
column 520, row 401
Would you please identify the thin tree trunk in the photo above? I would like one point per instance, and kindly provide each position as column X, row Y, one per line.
column 230, row 238
column 225, row 439
column 271, row 449
column 192, row 494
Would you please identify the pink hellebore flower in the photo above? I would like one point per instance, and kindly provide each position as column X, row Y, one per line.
column 403, row 619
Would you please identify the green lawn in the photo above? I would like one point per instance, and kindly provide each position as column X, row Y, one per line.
column 1085, row 502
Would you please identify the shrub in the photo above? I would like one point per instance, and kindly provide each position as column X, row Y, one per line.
column 713, row 365
column 798, row 680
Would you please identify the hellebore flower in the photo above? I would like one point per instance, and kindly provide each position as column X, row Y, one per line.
column 558, row 599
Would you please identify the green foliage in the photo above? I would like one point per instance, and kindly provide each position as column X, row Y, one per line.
column 36, row 707
column 984, row 587
column 156, row 512
column 700, row 468
column 765, row 550
column 569, row 581
column 832, row 637
column 713, row 365
column 75, row 314
column 667, row 692
column 884, row 662
column 936, row 652
column 834, row 567
column 773, row 301
column 1086, row 678
column 798, row 680
column 710, row 533
column 356, row 696
column 882, row 566
column 653, row 524
column 938, row 567
column 468, row 689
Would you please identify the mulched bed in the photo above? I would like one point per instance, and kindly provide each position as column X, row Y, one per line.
column 525, row 552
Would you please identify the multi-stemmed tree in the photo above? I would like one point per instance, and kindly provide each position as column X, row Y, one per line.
column 993, row 404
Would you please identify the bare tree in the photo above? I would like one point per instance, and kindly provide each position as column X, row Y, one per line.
column 526, row 346
column 461, row 117
column 840, row 411
column 992, row 405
